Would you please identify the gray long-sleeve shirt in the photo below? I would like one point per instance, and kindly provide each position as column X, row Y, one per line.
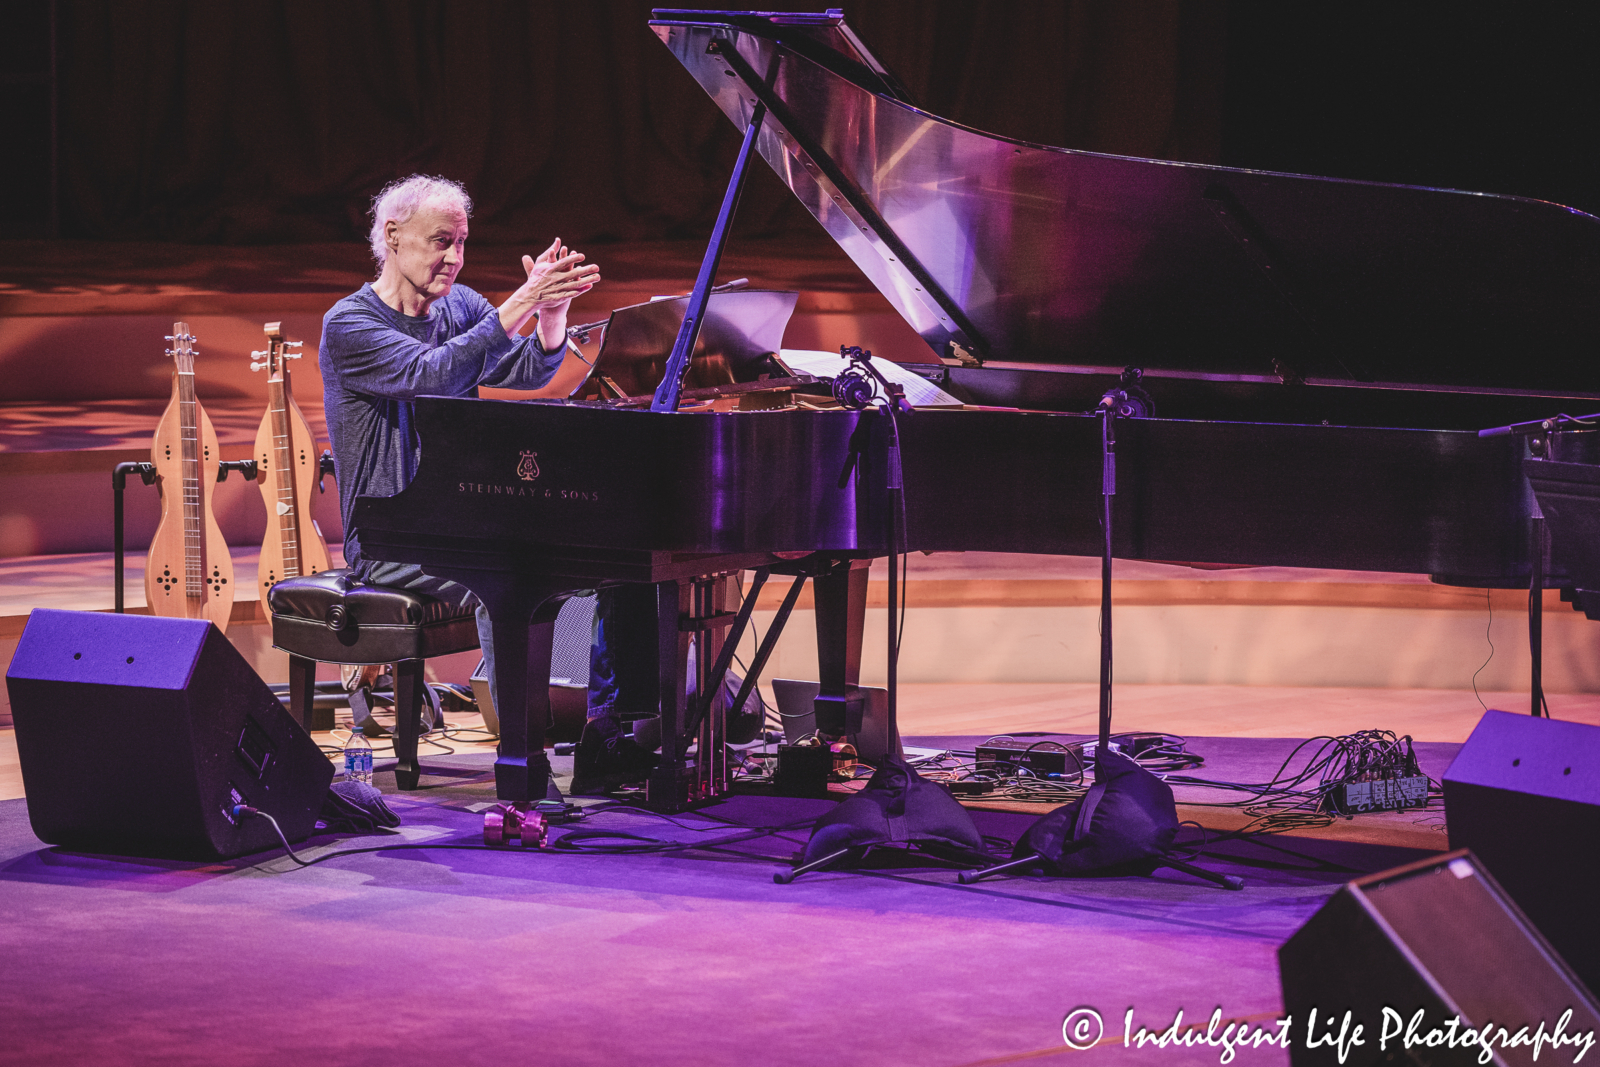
column 375, row 361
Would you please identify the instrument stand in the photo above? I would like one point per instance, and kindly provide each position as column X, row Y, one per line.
column 147, row 474
column 119, row 481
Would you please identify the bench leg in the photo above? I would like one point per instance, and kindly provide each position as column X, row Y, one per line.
column 408, row 699
column 303, row 693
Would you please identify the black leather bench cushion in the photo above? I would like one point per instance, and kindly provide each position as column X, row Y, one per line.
column 335, row 619
column 314, row 596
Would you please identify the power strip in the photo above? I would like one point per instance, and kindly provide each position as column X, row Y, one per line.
column 1382, row 794
column 1039, row 757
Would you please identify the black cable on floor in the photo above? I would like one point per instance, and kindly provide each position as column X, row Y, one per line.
column 571, row 841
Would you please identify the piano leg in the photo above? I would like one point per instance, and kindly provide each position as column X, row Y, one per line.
column 522, row 614
column 522, row 768
column 841, row 602
column 667, row 788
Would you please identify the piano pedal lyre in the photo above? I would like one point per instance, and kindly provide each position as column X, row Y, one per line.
column 705, row 618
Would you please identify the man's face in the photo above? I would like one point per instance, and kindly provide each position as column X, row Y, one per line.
column 431, row 249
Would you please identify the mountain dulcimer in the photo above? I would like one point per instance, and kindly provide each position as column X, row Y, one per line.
column 286, row 468
column 188, row 574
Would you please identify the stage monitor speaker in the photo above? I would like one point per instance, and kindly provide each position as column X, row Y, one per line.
column 1440, row 937
column 1524, row 795
column 137, row 735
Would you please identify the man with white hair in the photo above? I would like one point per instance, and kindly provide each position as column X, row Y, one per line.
column 415, row 332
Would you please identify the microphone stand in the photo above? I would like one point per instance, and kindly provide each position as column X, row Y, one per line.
column 1127, row 400
column 897, row 806
column 896, row 496
column 1108, row 489
column 854, row 389
column 1541, row 443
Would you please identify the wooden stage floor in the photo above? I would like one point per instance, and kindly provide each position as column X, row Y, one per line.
column 979, row 709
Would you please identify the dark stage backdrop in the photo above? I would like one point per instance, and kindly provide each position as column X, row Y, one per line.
column 266, row 121
column 262, row 121
column 1495, row 98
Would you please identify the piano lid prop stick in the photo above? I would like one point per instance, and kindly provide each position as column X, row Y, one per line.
column 667, row 393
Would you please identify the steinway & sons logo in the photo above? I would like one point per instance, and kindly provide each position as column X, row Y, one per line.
column 528, row 471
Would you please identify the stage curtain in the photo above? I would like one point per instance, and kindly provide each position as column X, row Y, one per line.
column 275, row 121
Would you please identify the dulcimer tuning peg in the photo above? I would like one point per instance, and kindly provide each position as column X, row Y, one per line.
column 257, row 366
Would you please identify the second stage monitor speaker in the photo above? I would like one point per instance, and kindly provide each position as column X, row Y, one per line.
column 1419, row 956
column 1524, row 795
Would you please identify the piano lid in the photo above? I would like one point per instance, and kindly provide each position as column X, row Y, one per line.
column 1006, row 252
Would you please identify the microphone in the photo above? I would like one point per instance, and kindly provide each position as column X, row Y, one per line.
column 1127, row 399
column 1538, row 426
column 580, row 334
column 856, row 385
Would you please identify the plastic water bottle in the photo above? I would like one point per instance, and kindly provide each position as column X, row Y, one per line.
column 358, row 757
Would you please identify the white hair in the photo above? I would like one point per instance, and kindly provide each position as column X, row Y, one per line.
column 404, row 198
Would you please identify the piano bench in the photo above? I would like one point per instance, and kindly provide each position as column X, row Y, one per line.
column 334, row 618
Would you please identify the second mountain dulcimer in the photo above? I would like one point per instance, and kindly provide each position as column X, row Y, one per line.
column 286, row 464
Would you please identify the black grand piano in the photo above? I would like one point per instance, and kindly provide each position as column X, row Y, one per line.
column 1318, row 353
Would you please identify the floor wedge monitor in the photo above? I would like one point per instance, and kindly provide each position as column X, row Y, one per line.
column 1524, row 795
column 1424, row 965
column 138, row 735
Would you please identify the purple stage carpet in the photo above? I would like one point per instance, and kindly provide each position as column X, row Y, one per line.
column 693, row 957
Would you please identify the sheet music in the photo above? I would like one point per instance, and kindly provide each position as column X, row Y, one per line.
column 920, row 393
